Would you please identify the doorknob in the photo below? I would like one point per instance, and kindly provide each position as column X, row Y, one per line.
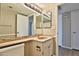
column 74, row 32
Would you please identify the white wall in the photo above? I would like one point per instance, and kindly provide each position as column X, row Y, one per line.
column 60, row 29
column 69, row 7
column 66, row 29
column 66, row 22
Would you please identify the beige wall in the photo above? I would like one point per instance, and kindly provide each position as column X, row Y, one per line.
column 0, row 11
column 7, row 21
column 55, row 15
column 53, row 30
column 38, row 21
column 54, row 27
column 50, row 31
column 44, row 31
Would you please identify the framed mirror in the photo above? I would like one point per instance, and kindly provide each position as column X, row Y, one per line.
column 47, row 22
column 44, row 21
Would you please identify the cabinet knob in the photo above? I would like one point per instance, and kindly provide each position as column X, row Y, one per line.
column 38, row 48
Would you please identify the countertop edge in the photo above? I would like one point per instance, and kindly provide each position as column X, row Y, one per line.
column 23, row 41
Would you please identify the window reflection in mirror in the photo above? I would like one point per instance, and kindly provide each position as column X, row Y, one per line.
column 39, row 21
column 46, row 22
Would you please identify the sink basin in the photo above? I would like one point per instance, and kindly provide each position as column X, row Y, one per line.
column 42, row 37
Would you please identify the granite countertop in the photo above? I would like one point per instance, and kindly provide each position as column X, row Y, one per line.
column 8, row 41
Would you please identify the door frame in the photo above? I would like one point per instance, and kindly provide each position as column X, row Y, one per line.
column 58, row 31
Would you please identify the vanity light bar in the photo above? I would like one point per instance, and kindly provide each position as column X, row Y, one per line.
column 34, row 7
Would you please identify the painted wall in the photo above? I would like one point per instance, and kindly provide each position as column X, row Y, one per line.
column 53, row 30
column 67, row 9
column 51, row 7
column 59, row 29
column 7, row 21
column 66, row 29
column 44, row 31
column 54, row 26
column 11, row 16
column 0, row 11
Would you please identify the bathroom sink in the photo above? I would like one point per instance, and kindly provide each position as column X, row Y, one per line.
column 42, row 37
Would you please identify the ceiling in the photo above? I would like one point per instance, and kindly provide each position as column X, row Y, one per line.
column 17, row 7
column 20, row 8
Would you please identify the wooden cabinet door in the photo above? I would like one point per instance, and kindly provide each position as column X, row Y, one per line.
column 27, row 48
column 48, row 48
column 37, row 48
column 46, row 51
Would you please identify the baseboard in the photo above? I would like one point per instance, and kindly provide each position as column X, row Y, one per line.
column 65, row 47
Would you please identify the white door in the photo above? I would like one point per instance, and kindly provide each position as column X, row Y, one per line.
column 75, row 29
column 22, row 25
column 60, row 29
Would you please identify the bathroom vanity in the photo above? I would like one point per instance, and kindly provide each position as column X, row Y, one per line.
column 39, row 47
column 27, row 46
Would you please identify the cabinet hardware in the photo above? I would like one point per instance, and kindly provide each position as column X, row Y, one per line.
column 74, row 32
column 38, row 48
